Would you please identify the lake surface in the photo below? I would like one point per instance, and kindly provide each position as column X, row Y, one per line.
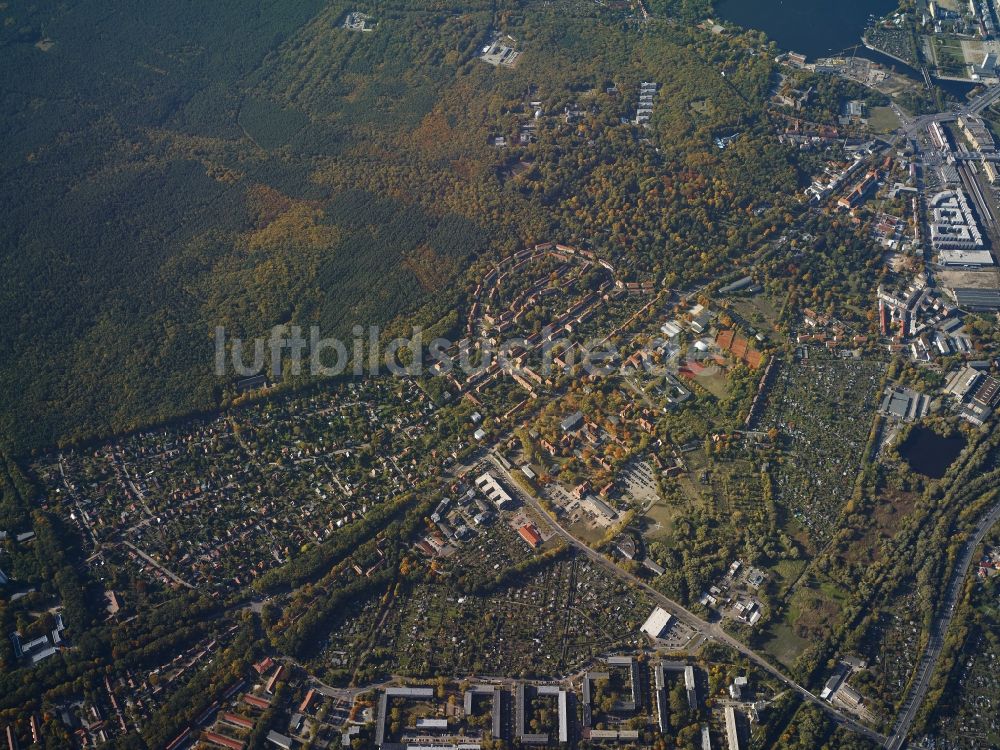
column 816, row 28
column 822, row 28
column 930, row 454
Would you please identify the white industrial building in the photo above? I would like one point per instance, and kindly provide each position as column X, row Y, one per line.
column 952, row 223
column 657, row 623
column 965, row 258
column 490, row 487
column 732, row 731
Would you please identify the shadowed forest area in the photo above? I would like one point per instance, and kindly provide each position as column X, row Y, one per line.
column 174, row 168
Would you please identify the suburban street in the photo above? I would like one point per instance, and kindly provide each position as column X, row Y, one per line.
column 687, row 617
column 925, row 670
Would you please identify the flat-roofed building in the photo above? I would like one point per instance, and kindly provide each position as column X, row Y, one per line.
column 959, row 258
column 382, row 713
column 280, row 740
column 614, row 735
column 732, row 729
column 436, row 724
column 737, row 686
column 520, row 706
column 938, row 136
column 603, row 513
column 603, row 735
column 490, row 487
column 975, row 130
column 496, row 696
column 571, row 422
column 691, row 687
column 660, row 684
column 635, row 700
column 563, row 703
column 43, row 654
column 952, row 224
column 657, row 623
column 977, row 300
column 962, row 382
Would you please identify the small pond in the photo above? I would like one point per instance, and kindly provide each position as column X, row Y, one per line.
column 930, row 454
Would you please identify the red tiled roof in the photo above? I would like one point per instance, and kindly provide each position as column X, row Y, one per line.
column 253, row 700
column 220, row 739
column 530, row 535
column 240, row 721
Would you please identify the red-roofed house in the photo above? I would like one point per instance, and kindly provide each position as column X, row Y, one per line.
column 256, row 702
column 221, row 739
column 530, row 534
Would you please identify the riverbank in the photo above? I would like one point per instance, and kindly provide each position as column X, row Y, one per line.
column 868, row 45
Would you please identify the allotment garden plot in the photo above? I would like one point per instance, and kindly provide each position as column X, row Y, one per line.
column 970, row 718
column 822, row 409
column 214, row 504
column 545, row 623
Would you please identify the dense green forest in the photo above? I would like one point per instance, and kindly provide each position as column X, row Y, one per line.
column 171, row 169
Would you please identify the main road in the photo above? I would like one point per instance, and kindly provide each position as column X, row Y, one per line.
column 687, row 617
column 939, row 628
column 911, row 126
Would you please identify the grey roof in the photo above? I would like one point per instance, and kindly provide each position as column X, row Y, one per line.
column 736, row 285
column 978, row 299
column 410, row 692
column 571, row 421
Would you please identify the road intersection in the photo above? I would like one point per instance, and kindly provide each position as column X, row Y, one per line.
column 711, row 630
column 925, row 670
